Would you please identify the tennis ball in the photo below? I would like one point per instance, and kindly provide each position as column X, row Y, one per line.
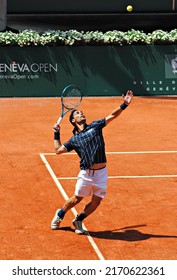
column 129, row 8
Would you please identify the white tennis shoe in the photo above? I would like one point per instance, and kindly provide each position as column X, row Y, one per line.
column 55, row 224
column 78, row 227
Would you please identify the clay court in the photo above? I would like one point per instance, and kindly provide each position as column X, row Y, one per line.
column 137, row 219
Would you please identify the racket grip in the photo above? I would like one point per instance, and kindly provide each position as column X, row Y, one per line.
column 59, row 120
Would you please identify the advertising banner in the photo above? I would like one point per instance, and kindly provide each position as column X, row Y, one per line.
column 99, row 71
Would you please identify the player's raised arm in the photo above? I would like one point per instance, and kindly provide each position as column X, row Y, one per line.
column 115, row 113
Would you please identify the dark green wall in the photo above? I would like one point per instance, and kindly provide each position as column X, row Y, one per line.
column 79, row 6
column 99, row 71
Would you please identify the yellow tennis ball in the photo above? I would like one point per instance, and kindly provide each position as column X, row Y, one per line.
column 129, row 8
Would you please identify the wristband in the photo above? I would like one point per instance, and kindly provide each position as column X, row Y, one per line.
column 56, row 135
column 123, row 106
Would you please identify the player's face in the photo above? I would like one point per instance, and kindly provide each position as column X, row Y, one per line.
column 79, row 117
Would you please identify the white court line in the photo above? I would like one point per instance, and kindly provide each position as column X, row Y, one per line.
column 92, row 242
column 56, row 180
column 120, row 153
column 143, row 176
column 126, row 177
column 124, row 153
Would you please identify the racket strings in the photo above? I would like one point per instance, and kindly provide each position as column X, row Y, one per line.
column 72, row 98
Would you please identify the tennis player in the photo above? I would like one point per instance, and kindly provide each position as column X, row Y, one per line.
column 88, row 142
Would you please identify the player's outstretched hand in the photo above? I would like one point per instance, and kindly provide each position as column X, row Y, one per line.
column 56, row 127
column 128, row 97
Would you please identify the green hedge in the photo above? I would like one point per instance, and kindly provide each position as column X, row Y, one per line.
column 74, row 37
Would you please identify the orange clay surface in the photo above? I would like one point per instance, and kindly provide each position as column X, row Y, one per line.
column 137, row 219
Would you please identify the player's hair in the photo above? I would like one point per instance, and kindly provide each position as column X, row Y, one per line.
column 71, row 117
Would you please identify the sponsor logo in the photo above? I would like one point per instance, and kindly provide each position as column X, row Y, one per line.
column 157, row 86
column 171, row 66
column 18, row 71
column 167, row 84
column 174, row 65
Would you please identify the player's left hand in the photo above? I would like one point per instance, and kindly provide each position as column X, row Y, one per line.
column 56, row 127
column 128, row 97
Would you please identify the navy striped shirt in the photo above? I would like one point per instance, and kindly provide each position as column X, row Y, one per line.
column 89, row 144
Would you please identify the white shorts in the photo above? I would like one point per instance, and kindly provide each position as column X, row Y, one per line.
column 92, row 182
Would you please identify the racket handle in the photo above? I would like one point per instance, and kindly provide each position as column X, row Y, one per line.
column 59, row 120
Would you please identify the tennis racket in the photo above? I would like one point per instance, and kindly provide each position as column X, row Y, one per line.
column 71, row 98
